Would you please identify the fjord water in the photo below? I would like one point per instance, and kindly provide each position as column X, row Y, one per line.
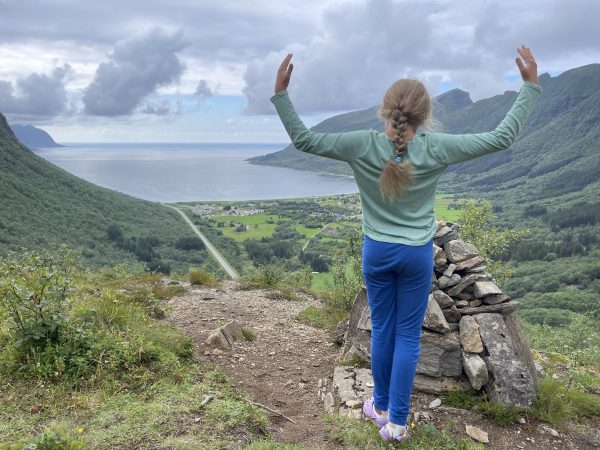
column 188, row 172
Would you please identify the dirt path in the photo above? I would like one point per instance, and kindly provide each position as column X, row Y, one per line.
column 280, row 368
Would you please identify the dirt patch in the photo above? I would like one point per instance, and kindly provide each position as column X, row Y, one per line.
column 280, row 368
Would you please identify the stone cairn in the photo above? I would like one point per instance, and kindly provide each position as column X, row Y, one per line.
column 471, row 336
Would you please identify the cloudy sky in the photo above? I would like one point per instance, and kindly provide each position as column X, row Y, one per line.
column 203, row 71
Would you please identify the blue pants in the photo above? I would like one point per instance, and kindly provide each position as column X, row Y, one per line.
column 398, row 279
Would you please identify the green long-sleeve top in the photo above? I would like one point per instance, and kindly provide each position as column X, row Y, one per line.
column 410, row 218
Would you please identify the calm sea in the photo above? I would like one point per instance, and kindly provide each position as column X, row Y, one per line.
column 187, row 172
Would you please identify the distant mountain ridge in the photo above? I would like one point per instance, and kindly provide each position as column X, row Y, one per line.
column 558, row 151
column 33, row 137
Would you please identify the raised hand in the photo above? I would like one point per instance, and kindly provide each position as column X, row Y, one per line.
column 283, row 74
column 527, row 65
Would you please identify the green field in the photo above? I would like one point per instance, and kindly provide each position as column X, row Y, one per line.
column 442, row 210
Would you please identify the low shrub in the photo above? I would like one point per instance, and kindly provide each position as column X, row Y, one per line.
column 201, row 278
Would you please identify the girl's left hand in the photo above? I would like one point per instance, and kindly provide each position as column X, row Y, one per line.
column 283, row 74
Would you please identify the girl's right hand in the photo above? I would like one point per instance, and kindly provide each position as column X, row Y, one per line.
column 283, row 74
column 527, row 65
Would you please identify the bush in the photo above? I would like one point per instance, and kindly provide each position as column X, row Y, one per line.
column 557, row 404
column 35, row 290
column 201, row 278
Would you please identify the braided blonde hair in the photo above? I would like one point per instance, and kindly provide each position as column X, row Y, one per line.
column 406, row 104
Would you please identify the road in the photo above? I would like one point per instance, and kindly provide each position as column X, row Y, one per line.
column 211, row 248
column 308, row 240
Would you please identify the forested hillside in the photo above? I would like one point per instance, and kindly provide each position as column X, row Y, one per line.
column 43, row 206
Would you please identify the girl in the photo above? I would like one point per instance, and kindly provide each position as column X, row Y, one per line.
column 397, row 173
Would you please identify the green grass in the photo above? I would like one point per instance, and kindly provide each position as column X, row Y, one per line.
column 257, row 226
column 442, row 212
column 355, row 435
column 321, row 282
column 143, row 392
column 323, row 317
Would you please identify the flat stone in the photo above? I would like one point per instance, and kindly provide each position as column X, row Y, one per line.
column 477, row 269
column 341, row 329
column 502, row 308
column 440, row 355
column 471, row 262
column 354, row 404
column 440, row 385
column 450, row 236
column 469, row 335
column 445, row 282
column 452, row 314
column 510, row 380
column 474, row 303
column 495, row 299
column 475, row 369
column 459, row 250
column 358, row 338
column 464, row 295
column 343, row 383
column 477, row 434
column 217, row 340
column 461, row 303
column 224, row 337
column 450, row 270
column 440, row 259
column 484, row 288
column 329, row 403
column 434, row 318
column 444, row 300
column 464, row 283
column 442, row 231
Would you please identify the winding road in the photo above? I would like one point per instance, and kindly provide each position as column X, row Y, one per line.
column 211, row 248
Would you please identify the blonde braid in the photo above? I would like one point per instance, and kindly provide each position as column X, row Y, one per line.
column 405, row 104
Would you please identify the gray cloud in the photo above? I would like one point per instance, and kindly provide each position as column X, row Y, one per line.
column 360, row 48
column 36, row 95
column 227, row 30
column 137, row 67
column 203, row 91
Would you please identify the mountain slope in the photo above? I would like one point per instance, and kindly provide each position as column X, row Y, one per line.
column 33, row 137
column 43, row 206
column 559, row 142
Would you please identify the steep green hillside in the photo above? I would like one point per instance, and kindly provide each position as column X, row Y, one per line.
column 43, row 206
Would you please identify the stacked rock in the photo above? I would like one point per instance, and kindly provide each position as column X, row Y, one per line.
column 471, row 336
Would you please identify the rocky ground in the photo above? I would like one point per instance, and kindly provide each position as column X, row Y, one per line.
column 282, row 366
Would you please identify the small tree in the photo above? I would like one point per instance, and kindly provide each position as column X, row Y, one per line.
column 476, row 219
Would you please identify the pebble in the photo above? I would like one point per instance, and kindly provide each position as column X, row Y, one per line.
column 522, row 421
column 477, row 433
column 435, row 403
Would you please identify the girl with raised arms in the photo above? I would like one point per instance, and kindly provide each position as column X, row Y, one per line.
column 397, row 173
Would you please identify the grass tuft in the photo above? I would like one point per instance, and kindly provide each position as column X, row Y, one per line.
column 201, row 278
column 325, row 317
